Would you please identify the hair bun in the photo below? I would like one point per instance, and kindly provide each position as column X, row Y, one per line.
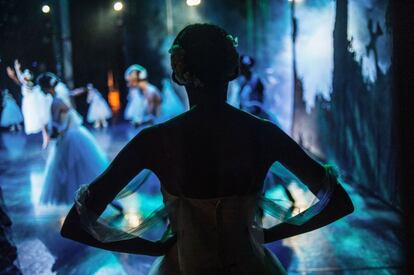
column 204, row 54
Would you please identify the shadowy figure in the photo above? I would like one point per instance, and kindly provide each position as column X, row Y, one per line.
column 211, row 162
column 251, row 94
column 251, row 88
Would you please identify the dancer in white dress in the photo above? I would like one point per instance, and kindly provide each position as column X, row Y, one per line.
column 35, row 104
column 75, row 158
column 11, row 116
column 144, row 99
column 99, row 110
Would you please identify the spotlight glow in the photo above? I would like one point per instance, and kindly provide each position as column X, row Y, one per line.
column 45, row 8
column 193, row 3
column 118, row 6
column 132, row 219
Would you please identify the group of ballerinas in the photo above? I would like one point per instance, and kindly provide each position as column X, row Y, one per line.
column 35, row 108
column 75, row 157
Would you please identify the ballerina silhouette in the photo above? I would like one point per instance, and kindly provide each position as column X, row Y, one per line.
column 211, row 166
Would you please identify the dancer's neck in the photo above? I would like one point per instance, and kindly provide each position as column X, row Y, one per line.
column 207, row 96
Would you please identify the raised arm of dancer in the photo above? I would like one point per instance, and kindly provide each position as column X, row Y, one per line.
column 290, row 154
column 134, row 157
column 19, row 74
column 12, row 74
column 77, row 91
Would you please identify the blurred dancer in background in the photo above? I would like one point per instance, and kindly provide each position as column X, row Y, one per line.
column 99, row 111
column 251, row 88
column 75, row 157
column 35, row 105
column 11, row 116
column 144, row 99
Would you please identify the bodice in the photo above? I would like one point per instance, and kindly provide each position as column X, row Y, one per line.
column 215, row 234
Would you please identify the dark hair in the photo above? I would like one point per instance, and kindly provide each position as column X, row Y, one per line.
column 204, row 54
column 47, row 81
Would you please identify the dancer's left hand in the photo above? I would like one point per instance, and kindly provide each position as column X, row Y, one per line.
column 45, row 143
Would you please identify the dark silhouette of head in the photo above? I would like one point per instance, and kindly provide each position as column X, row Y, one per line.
column 47, row 82
column 204, row 56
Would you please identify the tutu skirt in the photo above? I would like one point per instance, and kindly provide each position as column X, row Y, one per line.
column 136, row 108
column 171, row 105
column 75, row 159
column 36, row 111
column 98, row 110
column 11, row 114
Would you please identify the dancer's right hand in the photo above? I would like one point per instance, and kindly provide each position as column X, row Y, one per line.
column 10, row 72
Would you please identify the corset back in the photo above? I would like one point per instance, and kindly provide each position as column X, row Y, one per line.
column 216, row 236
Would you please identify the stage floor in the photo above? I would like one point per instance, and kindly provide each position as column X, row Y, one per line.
column 366, row 242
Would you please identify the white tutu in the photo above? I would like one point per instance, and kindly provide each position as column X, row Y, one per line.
column 98, row 108
column 11, row 113
column 35, row 108
column 75, row 159
column 171, row 105
column 136, row 107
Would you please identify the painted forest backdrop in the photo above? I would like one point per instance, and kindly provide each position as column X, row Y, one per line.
column 354, row 128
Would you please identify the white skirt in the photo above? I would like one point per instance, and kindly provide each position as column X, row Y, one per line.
column 98, row 110
column 36, row 111
column 136, row 109
column 11, row 114
column 75, row 159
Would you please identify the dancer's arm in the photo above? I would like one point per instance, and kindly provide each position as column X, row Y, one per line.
column 310, row 172
column 19, row 74
column 77, row 91
column 12, row 74
column 133, row 158
column 45, row 137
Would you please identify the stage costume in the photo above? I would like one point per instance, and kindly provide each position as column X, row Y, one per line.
column 99, row 110
column 11, row 116
column 75, row 157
